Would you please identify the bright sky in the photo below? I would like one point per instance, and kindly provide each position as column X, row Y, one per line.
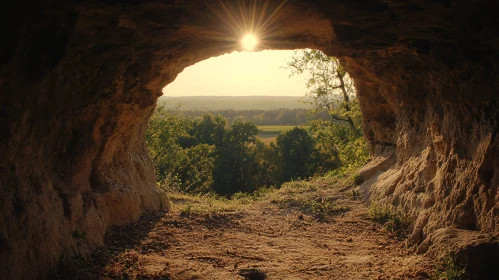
column 239, row 74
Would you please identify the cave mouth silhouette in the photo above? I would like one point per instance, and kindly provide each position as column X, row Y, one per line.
column 79, row 82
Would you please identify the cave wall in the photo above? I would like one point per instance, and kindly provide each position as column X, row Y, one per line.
column 79, row 81
column 443, row 169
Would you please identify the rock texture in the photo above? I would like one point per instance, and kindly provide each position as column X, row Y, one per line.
column 478, row 252
column 79, row 81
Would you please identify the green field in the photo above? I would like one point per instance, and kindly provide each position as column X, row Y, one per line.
column 268, row 133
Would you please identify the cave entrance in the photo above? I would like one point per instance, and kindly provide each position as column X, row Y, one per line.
column 243, row 121
column 80, row 80
column 79, row 84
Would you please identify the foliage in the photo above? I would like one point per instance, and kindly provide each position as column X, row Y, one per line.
column 187, row 168
column 210, row 130
column 207, row 155
column 162, row 135
column 337, row 146
column 196, row 167
column 296, row 148
column 354, row 194
column 217, row 104
column 323, row 208
column 210, row 154
column 277, row 129
column 311, row 196
column 452, row 270
column 268, row 163
column 188, row 204
column 235, row 166
column 339, row 141
column 274, row 117
column 186, row 211
column 393, row 221
column 329, row 87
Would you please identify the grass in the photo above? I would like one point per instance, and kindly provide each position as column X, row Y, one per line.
column 188, row 204
column 354, row 194
column 323, row 208
column 451, row 270
column 186, row 211
column 310, row 196
column 393, row 221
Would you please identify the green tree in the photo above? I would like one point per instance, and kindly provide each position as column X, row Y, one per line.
column 195, row 168
column 339, row 141
column 329, row 87
column 296, row 149
column 268, row 163
column 185, row 168
column 210, row 130
column 162, row 133
column 235, row 166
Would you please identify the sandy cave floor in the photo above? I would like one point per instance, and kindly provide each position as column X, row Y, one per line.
column 264, row 241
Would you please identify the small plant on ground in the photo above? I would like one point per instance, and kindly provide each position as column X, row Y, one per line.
column 393, row 221
column 197, row 203
column 451, row 270
column 323, row 208
column 354, row 195
column 243, row 198
column 186, row 211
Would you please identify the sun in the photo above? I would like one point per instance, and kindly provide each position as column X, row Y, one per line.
column 249, row 42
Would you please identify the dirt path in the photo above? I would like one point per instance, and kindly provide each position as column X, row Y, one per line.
column 265, row 241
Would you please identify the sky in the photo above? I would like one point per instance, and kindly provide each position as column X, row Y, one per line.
column 239, row 74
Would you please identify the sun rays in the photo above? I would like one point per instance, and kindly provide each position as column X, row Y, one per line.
column 247, row 25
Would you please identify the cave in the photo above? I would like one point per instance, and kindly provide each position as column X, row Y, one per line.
column 80, row 79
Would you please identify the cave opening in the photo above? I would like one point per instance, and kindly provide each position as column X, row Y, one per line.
column 260, row 102
column 79, row 82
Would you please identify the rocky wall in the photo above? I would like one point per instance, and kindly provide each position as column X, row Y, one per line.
column 78, row 81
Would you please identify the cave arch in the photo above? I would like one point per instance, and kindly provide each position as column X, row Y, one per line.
column 79, row 82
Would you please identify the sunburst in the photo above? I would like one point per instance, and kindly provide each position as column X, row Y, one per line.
column 247, row 25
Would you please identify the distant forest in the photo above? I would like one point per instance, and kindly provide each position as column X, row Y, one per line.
column 211, row 103
column 295, row 117
column 260, row 110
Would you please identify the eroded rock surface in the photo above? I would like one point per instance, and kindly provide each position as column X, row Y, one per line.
column 79, row 81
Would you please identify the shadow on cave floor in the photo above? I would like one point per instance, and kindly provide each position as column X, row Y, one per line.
column 119, row 243
column 274, row 237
